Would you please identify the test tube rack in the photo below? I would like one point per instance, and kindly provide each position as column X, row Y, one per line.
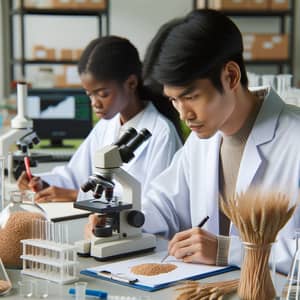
column 49, row 260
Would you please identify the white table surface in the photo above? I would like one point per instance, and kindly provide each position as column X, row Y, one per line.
column 60, row 292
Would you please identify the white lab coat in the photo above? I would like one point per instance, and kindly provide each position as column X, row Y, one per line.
column 151, row 158
column 188, row 190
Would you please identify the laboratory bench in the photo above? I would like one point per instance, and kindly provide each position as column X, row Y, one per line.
column 59, row 292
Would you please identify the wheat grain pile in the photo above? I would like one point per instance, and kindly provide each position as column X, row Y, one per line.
column 152, row 269
column 18, row 227
column 258, row 217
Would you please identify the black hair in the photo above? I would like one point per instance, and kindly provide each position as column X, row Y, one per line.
column 116, row 58
column 150, row 83
column 198, row 47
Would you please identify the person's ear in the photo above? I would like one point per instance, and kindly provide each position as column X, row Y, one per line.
column 131, row 83
column 232, row 75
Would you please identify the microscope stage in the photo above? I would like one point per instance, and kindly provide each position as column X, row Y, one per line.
column 99, row 207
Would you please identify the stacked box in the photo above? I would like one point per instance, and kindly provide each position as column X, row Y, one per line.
column 265, row 46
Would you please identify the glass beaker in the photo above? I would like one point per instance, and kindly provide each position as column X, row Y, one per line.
column 291, row 290
column 26, row 288
column 16, row 224
column 80, row 288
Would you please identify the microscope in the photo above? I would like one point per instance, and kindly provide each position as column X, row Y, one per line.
column 20, row 134
column 119, row 231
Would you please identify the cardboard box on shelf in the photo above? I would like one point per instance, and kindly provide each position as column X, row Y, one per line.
column 77, row 53
column 96, row 4
column 50, row 54
column 258, row 4
column 66, row 54
column 72, row 78
column 36, row 3
column 69, row 77
column 60, row 81
column 279, row 4
column 39, row 52
column 62, row 4
column 265, row 46
column 229, row 4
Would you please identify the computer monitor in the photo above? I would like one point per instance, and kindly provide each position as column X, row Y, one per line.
column 60, row 114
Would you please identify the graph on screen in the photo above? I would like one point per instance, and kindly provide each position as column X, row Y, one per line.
column 51, row 108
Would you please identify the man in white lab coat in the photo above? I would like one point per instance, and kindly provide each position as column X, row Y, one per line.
column 239, row 139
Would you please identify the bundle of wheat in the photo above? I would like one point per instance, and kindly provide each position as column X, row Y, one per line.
column 258, row 217
column 191, row 290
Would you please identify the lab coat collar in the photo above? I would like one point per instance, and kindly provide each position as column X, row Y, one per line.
column 267, row 118
column 263, row 132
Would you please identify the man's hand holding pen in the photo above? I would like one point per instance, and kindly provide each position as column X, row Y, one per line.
column 194, row 245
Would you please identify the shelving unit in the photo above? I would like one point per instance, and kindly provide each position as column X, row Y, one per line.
column 282, row 16
column 23, row 11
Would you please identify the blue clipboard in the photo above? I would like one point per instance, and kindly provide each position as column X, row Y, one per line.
column 159, row 286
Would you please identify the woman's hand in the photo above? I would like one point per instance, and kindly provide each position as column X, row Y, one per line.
column 194, row 245
column 35, row 184
column 56, row 194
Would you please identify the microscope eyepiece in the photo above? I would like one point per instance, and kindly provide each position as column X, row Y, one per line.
column 126, row 151
column 89, row 185
column 36, row 140
column 129, row 134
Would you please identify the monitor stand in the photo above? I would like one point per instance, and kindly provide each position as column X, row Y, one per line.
column 57, row 143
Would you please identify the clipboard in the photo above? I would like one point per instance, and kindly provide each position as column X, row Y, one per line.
column 119, row 273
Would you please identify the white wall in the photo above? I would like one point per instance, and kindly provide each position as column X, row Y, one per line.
column 139, row 20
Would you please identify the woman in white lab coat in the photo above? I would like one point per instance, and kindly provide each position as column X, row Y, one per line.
column 110, row 71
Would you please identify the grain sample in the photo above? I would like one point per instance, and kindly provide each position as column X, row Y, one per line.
column 152, row 269
column 4, row 286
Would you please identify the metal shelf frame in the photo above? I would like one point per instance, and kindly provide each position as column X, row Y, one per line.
column 22, row 11
column 282, row 15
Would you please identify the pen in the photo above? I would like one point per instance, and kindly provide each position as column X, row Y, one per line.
column 27, row 167
column 199, row 225
column 118, row 277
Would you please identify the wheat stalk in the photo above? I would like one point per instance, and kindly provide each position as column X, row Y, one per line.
column 258, row 217
column 202, row 291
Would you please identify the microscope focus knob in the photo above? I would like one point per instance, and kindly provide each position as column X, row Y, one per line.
column 136, row 218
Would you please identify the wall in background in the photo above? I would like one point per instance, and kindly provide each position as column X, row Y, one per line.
column 139, row 20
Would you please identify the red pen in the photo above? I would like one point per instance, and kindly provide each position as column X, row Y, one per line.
column 27, row 167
